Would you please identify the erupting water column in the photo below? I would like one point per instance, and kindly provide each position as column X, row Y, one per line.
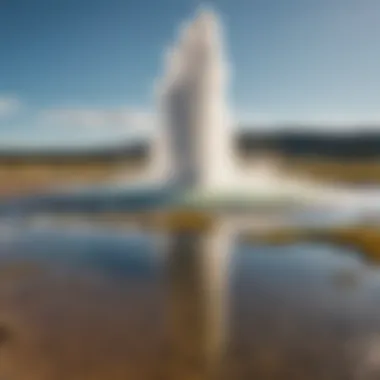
column 194, row 148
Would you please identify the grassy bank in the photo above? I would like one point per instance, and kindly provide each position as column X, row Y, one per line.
column 365, row 239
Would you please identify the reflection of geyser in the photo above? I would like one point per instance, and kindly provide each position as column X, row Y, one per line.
column 198, row 301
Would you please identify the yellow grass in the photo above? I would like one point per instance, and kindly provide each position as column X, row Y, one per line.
column 34, row 178
column 366, row 239
column 342, row 171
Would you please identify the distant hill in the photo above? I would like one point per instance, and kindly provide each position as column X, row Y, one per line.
column 119, row 152
column 348, row 145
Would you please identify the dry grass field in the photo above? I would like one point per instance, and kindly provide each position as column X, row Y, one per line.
column 29, row 177
column 33, row 178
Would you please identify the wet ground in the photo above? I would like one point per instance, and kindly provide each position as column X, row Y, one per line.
column 104, row 305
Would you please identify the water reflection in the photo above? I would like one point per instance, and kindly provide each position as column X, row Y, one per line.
column 81, row 307
column 199, row 266
column 101, row 305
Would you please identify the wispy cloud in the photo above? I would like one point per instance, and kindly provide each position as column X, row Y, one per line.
column 71, row 126
column 108, row 119
column 9, row 106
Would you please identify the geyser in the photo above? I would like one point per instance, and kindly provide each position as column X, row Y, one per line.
column 195, row 144
column 193, row 150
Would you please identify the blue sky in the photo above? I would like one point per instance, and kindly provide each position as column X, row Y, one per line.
column 84, row 70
